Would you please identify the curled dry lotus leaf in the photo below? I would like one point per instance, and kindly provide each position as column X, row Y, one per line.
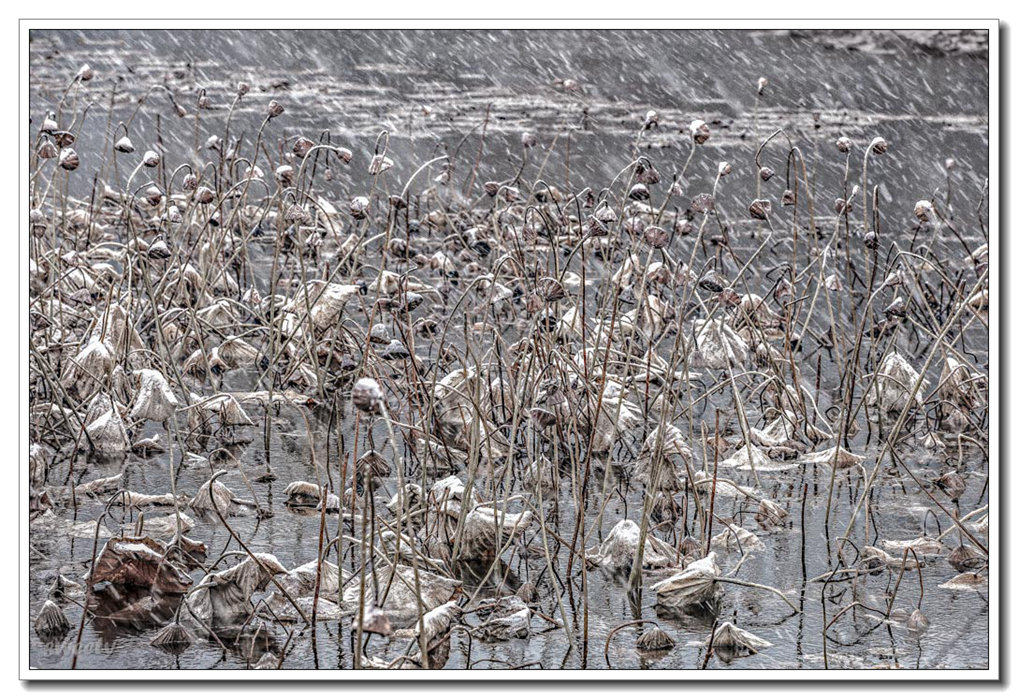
column 662, row 459
column 877, row 559
column 770, row 515
column 401, row 603
column 736, row 538
column 107, row 435
column 224, row 598
column 174, row 638
column 717, row 346
column 752, row 458
column 481, row 540
column 655, row 639
column 51, row 622
column 619, row 549
column 214, row 496
column 969, row 582
column 447, row 496
column 895, row 381
column 696, row 586
column 305, row 494
column 737, row 641
column 507, row 618
column 836, row 456
column 139, row 562
column 923, row 545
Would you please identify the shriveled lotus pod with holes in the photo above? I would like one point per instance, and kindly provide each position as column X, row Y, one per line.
column 695, row 587
column 734, row 538
column 504, row 619
column 618, row 551
column 735, row 641
column 715, row 345
column 894, row 383
column 481, row 540
column 155, row 399
column 224, row 598
column 662, row 459
column 401, row 602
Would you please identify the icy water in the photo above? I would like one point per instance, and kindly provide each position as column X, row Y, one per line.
column 435, row 93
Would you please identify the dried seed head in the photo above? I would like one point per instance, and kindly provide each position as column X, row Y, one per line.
column 724, row 168
column 359, row 208
column 655, row 236
column 760, row 85
column 760, row 209
column 181, row 112
column 124, row 145
column 606, row 214
column 675, row 190
column 367, row 396
column 712, row 282
column 844, row 144
column 527, row 592
column 550, row 289
column 842, row 207
column 190, row 182
column 203, row 101
column 395, row 350
column 328, row 174
column 150, row 159
column 948, row 165
column 651, row 120
column 64, row 139
column 923, row 210
column 699, row 131
column 302, row 145
column 243, row 88
column 702, row 203
column 896, row 308
column 204, row 195
column 871, row 240
column 766, row 173
column 788, row 198
column 639, row 192
column 284, row 174
column 379, row 164
column 213, row 143
column 275, row 109
column 344, row 154
column 153, row 195
column 529, row 139
column 85, row 73
column 878, row 145
column 491, row 188
column 647, row 174
column 47, row 149
column 69, row 159
column 49, row 124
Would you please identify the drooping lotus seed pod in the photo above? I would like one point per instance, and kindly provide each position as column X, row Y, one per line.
column 878, row 145
column 367, row 396
column 275, row 109
column 151, row 158
column 699, row 131
column 844, row 144
column 69, row 159
column 760, row 209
